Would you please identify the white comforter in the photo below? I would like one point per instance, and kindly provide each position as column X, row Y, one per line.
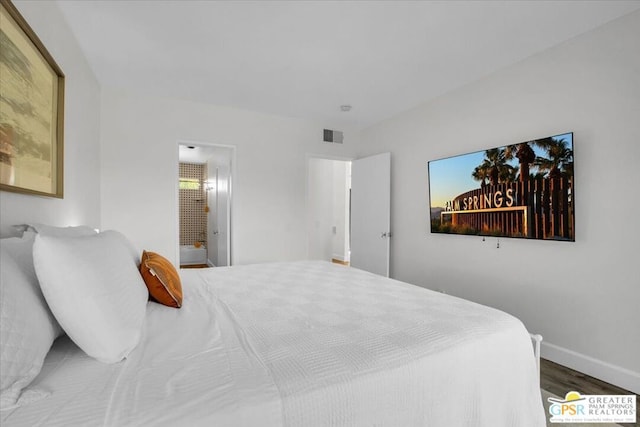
column 300, row 344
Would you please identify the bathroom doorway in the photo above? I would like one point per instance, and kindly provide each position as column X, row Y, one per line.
column 204, row 197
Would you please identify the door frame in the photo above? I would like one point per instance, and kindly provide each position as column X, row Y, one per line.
column 232, row 179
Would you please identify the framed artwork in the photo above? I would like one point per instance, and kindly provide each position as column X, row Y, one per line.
column 31, row 110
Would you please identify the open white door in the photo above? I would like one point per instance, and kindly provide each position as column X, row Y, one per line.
column 371, row 213
column 219, row 202
column 222, row 225
column 223, row 209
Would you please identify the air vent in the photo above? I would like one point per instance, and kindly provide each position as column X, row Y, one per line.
column 332, row 136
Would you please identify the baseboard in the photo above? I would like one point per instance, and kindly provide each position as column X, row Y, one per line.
column 340, row 257
column 621, row 377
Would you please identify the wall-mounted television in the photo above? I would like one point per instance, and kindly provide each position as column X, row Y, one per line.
column 523, row 190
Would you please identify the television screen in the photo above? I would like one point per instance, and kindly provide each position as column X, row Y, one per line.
column 521, row 190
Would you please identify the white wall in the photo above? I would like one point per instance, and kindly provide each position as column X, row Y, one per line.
column 320, row 208
column 139, row 169
column 341, row 186
column 327, row 208
column 583, row 297
column 81, row 202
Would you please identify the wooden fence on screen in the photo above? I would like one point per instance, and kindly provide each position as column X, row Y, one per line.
column 541, row 208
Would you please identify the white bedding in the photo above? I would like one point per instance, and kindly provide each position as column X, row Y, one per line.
column 300, row 344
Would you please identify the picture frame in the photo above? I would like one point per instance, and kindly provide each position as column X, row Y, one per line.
column 31, row 110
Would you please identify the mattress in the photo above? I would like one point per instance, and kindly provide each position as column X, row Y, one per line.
column 300, row 344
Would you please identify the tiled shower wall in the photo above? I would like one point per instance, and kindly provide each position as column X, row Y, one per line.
column 193, row 218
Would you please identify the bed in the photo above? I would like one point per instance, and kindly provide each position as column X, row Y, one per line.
column 305, row 343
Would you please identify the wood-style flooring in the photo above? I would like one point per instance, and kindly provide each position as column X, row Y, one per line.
column 560, row 380
column 195, row 266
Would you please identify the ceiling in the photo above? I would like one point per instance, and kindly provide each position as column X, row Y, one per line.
column 307, row 58
column 189, row 152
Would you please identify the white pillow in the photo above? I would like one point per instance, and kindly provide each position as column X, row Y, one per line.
column 27, row 327
column 94, row 290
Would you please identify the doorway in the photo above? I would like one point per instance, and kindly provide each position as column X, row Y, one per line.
column 349, row 211
column 205, row 201
column 329, row 193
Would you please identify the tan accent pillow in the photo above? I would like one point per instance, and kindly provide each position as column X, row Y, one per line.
column 161, row 279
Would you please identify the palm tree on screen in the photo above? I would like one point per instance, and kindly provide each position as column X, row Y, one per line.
column 559, row 160
column 525, row 155
column 496, row 166
column 481, row 174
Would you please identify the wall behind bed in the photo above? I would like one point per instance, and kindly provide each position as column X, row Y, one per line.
column 81, row 203
column 583, row 296
column 139, row 172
